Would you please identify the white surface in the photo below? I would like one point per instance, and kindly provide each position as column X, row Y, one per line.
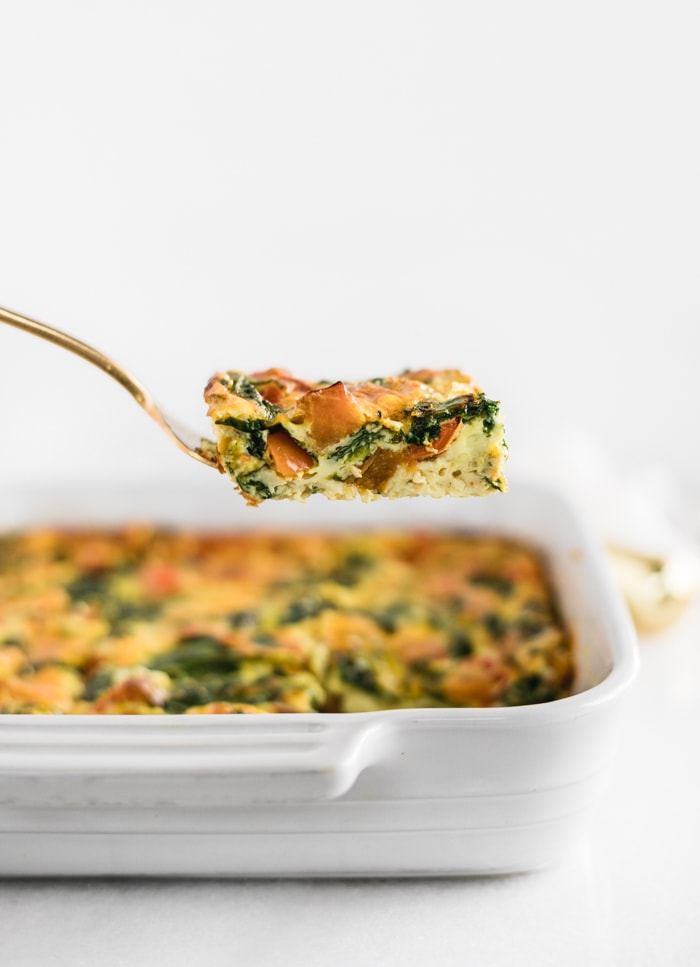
column 627, row 898
column 515, row 187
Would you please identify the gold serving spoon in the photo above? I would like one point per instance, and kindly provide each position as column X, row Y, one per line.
column 186, row 439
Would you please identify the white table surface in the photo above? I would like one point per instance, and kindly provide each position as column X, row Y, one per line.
column 628, row 895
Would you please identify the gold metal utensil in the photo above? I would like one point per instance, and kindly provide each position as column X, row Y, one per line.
column 657, row 589
column 201, row 449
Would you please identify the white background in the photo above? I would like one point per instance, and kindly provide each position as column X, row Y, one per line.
column 347, row 189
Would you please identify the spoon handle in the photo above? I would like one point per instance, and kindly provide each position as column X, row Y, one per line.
column 80, row 348
column 201, row 450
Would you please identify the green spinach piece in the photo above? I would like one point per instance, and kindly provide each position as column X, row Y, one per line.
column 98, row 683
column 361, row 443
column 494, row 582
column 90, row 585
column 495, row 625
column 351, row 569
column 428, row 416
column 187, row 692
column 355, row 671
column 497, row 484
column 242, row 619
column 197, row 657
column 305, row 607
column 481, row 408
column 239, row 384
column 460, row 645
column 531, row 689
column 256, row 431
column 253, row 485
column 121, row 614
column 391, row 617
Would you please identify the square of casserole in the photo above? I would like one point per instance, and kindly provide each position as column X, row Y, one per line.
column 142, row 620
column 423, row 433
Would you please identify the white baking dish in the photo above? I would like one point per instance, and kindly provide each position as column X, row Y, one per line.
column 400, row 792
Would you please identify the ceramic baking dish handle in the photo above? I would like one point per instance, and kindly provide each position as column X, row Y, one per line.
column 245, row 758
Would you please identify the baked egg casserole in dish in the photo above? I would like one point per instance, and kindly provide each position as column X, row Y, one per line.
column 191, row 687
column 142, row 620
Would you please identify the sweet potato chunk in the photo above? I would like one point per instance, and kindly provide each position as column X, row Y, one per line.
column 288, row 457
column 331, row 412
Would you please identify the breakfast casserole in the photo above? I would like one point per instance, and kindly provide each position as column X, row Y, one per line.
column 146, row 620
column 425, row 432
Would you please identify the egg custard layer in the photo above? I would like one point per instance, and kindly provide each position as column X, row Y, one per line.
column 148, row 621
column 423, row 433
